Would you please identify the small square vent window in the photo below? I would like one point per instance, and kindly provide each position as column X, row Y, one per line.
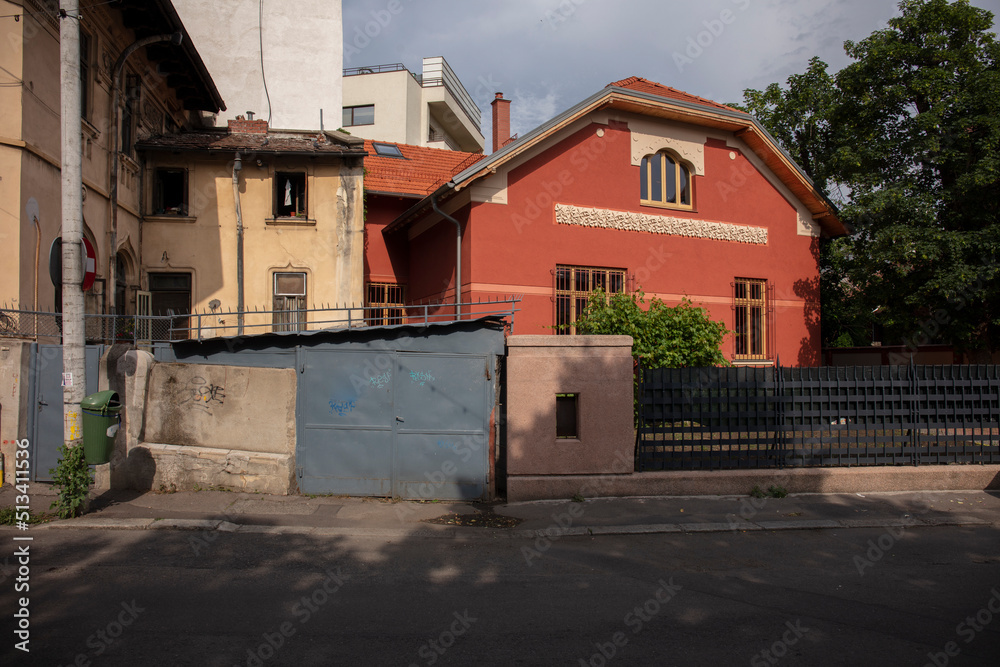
column 387, row 150
column 566, row 416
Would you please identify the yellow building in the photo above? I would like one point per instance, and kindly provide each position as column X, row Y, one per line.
column 175, row 234
column 298, row 201
column 164, row 87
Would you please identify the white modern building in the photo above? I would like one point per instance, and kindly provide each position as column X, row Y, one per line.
column 433, row 108
column 280, row 60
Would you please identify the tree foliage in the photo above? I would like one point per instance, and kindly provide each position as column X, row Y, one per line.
column 909, row 138
column 663, row 336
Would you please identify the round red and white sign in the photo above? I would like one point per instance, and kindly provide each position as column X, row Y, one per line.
column 89, row 266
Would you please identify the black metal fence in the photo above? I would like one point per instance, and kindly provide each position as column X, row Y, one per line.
column 711, row 418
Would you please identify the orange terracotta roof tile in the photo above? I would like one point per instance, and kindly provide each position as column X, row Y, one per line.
column 641, row 85
column 419, row 172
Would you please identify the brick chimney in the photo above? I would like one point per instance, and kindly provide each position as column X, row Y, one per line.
column 243, row 126
column 501, row 121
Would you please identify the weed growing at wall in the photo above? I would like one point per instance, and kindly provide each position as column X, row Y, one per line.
column 73, row 478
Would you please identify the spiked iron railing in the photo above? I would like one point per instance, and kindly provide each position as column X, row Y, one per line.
column 143, row 330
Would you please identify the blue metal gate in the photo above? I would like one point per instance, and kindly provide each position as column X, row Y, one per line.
column 394, row 423
column 45, row 411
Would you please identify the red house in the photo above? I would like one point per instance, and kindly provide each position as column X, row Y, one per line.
column 638, row 186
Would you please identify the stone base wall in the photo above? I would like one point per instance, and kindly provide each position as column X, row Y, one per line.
column 184, row 468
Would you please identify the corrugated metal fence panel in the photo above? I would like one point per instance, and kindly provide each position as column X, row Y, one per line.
column 831, row 416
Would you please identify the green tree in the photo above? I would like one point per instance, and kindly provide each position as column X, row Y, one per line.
column 800, row 118
column 663, row 336
column 913, row 136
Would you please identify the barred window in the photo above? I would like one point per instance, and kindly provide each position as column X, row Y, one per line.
column 750, row 318
column 574, row 285
column 386, row 302
column 289, row 301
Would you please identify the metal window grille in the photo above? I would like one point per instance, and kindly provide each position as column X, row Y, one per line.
column 750, row 310
column 289, row 301
column 386, row 303
column 574, row 285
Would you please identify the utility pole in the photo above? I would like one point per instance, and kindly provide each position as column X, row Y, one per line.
column 74, row 365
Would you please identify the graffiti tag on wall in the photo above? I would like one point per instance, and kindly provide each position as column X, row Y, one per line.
column 203, row 394
column 341, row 407
column 421, row 377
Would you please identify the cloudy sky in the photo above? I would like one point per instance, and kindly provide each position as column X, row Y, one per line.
column 547, row 55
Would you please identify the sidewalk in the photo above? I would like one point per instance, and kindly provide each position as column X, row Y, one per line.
column 326, row 515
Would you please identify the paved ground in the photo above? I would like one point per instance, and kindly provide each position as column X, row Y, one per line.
column 222, row 579
column 353, row 516
column 859, row 596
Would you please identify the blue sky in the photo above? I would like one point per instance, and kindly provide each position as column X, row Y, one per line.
column 547, row 55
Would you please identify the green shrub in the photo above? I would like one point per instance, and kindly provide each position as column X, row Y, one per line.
column 73, row 479
column 663, row 336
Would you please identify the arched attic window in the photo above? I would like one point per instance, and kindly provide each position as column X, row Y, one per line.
column 664, row 180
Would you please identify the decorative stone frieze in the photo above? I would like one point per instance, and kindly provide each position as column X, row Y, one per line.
column 659, row 224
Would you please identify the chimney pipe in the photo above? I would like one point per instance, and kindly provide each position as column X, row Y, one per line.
column 501, row 121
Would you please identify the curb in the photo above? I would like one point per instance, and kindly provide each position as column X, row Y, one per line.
column 450, row 532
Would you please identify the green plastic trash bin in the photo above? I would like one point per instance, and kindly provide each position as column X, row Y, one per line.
column 101, row 417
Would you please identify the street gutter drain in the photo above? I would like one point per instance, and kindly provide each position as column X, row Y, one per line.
column 478, row 520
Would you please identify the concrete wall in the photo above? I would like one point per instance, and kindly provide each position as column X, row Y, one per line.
column 596, row 368
column 14, row 371
column 224, row 407
column 302, row 54
column 189, row 425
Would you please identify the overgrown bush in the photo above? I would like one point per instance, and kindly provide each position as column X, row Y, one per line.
column 663, row 336
column 72, row 477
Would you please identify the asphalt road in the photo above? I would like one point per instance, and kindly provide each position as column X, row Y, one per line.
column 814, row 597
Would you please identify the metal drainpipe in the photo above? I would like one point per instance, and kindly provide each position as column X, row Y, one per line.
column 237, row 167
column 116, row 91
column 458, row 256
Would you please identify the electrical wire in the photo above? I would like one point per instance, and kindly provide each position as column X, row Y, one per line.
column 260, row 33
